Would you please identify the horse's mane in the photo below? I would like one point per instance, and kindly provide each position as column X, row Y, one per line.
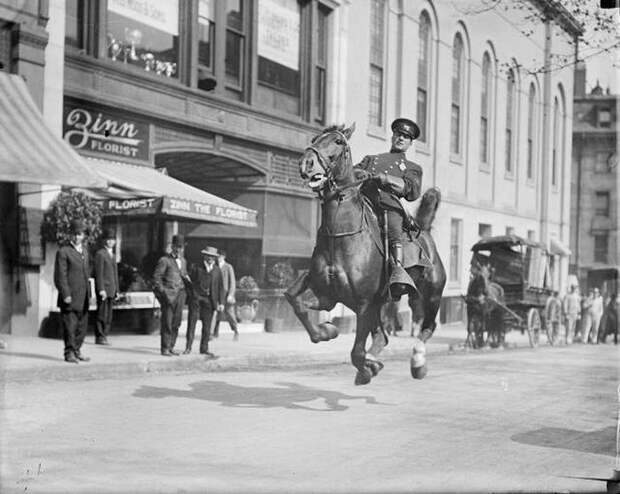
column 331, row 128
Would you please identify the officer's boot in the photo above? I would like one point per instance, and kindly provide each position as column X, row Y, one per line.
column 400, row 281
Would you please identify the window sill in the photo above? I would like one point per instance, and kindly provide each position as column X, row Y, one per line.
column 509, row 176
column 423, row 148
column 530, row 183
column 486, row 168
column 455, row 159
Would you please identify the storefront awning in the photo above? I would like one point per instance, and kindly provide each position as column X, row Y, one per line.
column 139, row 190
column 557, row 247
column 31, row 152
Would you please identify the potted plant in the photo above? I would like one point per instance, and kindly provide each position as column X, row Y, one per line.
column 280, row 276
column 247, row 299
column 69, row 206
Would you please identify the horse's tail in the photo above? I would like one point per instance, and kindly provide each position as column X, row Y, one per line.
column 428, row 208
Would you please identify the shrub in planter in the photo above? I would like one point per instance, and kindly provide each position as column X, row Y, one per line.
column 247, row 298
column 69, row 206
column 281, row 275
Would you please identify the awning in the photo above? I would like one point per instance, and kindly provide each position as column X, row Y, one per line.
column 557, row 247
column 139, row 190
column 31, row 152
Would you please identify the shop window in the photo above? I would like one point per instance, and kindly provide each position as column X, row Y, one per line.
column 600, row 247
column 455, row 249
column 377, row 35
column 144, row 34
column 601, row 204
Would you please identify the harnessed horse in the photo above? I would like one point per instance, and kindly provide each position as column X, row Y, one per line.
column 484, row 308
column 348, row 264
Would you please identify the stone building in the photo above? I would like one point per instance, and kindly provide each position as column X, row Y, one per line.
column 595, row 208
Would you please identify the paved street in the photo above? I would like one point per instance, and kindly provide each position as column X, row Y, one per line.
column 502, row 420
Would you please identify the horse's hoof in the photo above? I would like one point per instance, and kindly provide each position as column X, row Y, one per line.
column 363, row 377
column 375, row 366
column 328, row 330
column 419, row 372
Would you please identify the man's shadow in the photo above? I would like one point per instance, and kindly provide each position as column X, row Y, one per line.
column 285, row 395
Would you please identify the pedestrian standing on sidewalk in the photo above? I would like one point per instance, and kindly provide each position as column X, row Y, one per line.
column 586, row 316
column 106, row 286
column 208, row 292
column 230, row 286
column 571, row 314
column 596, row 310
column 169, row 280
column 71, row 272
column 553, row 315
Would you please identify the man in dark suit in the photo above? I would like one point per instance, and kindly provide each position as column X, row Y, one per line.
column 106, row 285
column 395, row 177
column 230, row 286
column 209, row 296
column 169, row 280
column 71, row 271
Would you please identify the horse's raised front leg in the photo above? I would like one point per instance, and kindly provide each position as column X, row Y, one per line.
column 431, row 299
column 367, row 364
column 324, row 331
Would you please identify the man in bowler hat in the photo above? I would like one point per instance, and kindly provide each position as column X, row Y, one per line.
column 71, row 271
column 169, row 280
column 394, row 177
column 209, row 296
column 230, row 286
column 106, row 286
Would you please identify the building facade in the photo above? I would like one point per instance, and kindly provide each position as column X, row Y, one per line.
column 496, row 134
column 595, row 209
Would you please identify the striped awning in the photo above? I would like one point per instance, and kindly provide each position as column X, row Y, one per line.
column 142, row 190
column 30, row 151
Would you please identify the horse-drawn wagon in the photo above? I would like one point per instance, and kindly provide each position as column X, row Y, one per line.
column 509, row 289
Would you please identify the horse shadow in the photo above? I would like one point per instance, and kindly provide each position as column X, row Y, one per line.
column 286, row 395
column 600, row 442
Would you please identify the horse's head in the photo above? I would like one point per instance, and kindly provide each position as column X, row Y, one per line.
column 327, row 161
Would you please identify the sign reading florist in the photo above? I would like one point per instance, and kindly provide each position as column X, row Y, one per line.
column 101, row 132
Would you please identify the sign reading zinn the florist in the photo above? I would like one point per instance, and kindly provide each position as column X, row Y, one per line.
column 95, row 130
column 174, row 207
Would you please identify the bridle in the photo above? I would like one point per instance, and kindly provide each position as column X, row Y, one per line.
column 325, row 162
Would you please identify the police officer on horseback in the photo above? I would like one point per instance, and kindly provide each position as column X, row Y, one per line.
column 393, row 176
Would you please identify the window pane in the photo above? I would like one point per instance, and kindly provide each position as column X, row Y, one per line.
column 279, row 44
column 377, row 24
column 147, row 38
column 601, row 204
column 484, row 230
column 531, row 122
column 206, row 32
column 234, row 14
column 424, row 53
column 319, row 103
column 234, row 58
column 375, row 96
column 421, row 114
column 556, row 138
column 74, row 16
column 530, row 158
column 455, row 144
column 455, row 241
column 508, row 150
column 600, row 248
column 484, row 132
column 321, row 37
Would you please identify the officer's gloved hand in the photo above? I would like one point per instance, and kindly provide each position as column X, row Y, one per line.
column 362, row 174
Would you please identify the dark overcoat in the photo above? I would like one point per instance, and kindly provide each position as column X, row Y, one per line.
column 106, row 273
column 205, row 287
column 71, row 272
column 168, row 278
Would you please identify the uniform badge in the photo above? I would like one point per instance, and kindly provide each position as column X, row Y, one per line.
column 402, row 167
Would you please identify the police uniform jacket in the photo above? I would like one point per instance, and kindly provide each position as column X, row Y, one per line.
column 397, row 165
column 71, row 272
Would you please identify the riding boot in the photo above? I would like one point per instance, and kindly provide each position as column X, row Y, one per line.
column 400, row 281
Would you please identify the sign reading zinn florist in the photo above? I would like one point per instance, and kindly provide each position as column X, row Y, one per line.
column 102, row 131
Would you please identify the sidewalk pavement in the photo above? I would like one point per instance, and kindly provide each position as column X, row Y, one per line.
column 41, row 359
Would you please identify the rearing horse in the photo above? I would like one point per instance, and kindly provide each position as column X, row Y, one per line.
column 347, row 264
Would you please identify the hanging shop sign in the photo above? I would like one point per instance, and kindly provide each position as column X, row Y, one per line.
column 105, row 132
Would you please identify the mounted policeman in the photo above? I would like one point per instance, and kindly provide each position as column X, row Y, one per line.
column 393, row 177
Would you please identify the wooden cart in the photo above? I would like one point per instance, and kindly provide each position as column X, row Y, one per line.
column 519, row 269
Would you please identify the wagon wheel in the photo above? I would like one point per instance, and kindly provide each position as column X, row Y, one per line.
column 533, row 327
column 475, row 335
column 549, row 332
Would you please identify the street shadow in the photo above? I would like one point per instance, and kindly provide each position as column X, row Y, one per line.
column 285, row 395
column 32, row 355
column 600, row 442
column 141, row 350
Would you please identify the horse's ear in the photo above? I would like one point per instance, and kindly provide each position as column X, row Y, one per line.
column 349, row 132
